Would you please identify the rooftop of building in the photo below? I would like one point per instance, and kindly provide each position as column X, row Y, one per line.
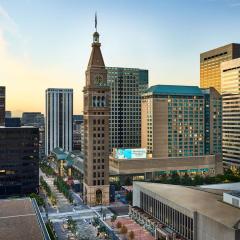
column 72, row 158
column 231, row 64
column 125, row 69
column 60, row 153
column 20, row 127
column 220, row 48
column 19, row 220
column 59, row 90
column 174, row 90
column 235, row 194
column 223, row 186
column 208, row 204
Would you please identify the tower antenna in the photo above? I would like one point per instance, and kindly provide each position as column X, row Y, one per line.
column 96, row 21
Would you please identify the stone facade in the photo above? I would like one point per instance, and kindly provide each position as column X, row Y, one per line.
column 96, row 129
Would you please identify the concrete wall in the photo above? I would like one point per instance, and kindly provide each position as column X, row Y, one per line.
column 136, row 195
column 162, row 164
column 208, row 229
column 160, row 127
column 144, row 123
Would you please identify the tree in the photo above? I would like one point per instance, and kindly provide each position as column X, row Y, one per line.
column 124, row 230
column 128, row 181
column 186, row 180
column 163, row 178
column 113, row 218
column 72, row 225
column 175, row 179
column 131, row 235
column 207, row 180
column 39, row 200
column 96, row 221
column 129, row 197
column 119, row 225
column 198, row 180
column 102, row 228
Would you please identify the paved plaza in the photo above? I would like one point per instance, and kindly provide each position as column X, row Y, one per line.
column 139, row 232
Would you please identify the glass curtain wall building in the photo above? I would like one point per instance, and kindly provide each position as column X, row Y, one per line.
column 127, row 85
column 230, row 74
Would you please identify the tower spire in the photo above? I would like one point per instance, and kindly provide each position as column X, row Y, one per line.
column 96, row 21
column 96, row 34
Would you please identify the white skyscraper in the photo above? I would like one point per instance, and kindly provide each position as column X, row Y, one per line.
column 58, row 126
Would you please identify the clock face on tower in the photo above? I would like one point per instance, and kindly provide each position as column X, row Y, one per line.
column 99, row 80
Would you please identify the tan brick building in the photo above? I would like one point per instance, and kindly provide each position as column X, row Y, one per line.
column 96, row 129
column 181, row 121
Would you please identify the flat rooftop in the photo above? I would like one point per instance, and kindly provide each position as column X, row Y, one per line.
column 18, row 220
column 175, row 90
column 208, row 204
column 223, row 186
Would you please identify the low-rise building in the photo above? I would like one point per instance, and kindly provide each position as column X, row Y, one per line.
column 177, row 212
column 67, row 163
column 143, row 167
column 21, row 219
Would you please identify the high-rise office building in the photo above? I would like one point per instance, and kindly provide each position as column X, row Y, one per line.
column 77, row 122
column 36, row 119
column 230, row 73
column 175, row 120
column 19, row 160
column 8, row 114
column 2, row 106
column 210, row 70
column 58, row 124
column 96, row 129
column 212, row 121
column 127, row 85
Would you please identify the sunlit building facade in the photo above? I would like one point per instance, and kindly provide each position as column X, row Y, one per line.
column 181, row 121
column 173, row 121
column 230, row 73
column 210, row 70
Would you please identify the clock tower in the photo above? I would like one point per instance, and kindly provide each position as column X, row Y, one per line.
column 96, row 129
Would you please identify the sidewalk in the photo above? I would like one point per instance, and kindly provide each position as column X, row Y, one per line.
column 62, row 202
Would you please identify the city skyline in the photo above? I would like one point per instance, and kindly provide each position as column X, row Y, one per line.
column 46, row 45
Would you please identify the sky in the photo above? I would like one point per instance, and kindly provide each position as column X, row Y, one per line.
column 47, row 43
